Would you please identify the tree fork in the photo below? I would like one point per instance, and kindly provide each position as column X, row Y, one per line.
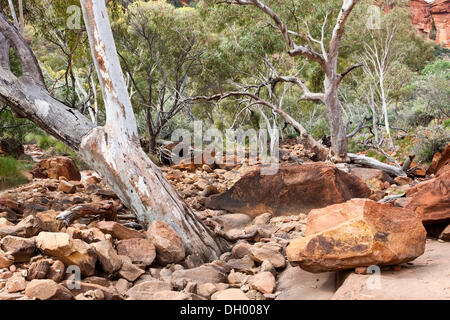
column 113, row 150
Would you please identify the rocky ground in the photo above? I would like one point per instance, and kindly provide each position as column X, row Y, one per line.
column 65, row 221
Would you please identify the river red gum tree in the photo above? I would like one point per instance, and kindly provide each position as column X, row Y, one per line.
column 112, row 150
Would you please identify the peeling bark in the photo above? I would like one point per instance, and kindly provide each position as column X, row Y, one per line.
column 113, row 150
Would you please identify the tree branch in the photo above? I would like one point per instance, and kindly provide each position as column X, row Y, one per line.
column 30, row 65
column 348, row 70
column 294, row 49
column 338, row 30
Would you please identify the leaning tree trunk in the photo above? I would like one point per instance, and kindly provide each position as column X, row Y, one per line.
column 112, row 150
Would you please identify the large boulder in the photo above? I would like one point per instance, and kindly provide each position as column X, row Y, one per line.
column 56, row 167
column 69, row 251
column 431, row 199
column 293, row 189
column 359, row 232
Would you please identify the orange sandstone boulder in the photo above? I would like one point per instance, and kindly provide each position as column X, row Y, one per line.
column 431, row 199
column 56, row 167
column 357, row 233
column 293, row 189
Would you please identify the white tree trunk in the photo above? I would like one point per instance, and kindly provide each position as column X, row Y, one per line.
column 385, row 113
column 113, row 150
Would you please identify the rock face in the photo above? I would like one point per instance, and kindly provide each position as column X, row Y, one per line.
column 431, row 199
column 440, row 159
column 358, row 233
column 424, row 14
column 445, row 235
column 294, row 189
column 440, row 12
column 56, row 167
column 426, row 279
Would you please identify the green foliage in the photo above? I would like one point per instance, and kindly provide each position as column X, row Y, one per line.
column 429, row 141
column 10, row 172
column 377, row 155
column 43, row 141
column 438, row 67
column 446, row 124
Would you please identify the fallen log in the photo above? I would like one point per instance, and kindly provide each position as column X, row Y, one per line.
column 373, row 163
column 231, row 238
column 106, row 209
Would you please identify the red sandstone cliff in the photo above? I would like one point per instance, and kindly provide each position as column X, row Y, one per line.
column 424, row 14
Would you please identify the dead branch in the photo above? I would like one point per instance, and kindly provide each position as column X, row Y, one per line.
column 219, row 232
column 106, row 209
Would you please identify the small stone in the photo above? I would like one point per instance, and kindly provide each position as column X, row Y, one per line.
column 129, row 271
column 229, row 294
column 69, row 251
column 262, row 219
column 264, row 282
column 118, row 231
column 207, row 168
column 57, row 271
column 21, row 249
column 403, row 180
column 202, row 274
column 15, row 284
column 241, row 249
column 6, row 260
column 107, row 256
column 122, row 286
column 47, row 290
column 266, row 253
column 66, row 187
column 397, row 267
column 169, row 246
column 361, row 270
column 237, row 278
column 445, row 235
column 206, row 289
column 38, row 269
column 146, row 290
column 139, row 250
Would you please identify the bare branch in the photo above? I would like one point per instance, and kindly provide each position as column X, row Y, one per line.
column 295, row 50
column 338, row 30
column 348, row 70
column 30, row 65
